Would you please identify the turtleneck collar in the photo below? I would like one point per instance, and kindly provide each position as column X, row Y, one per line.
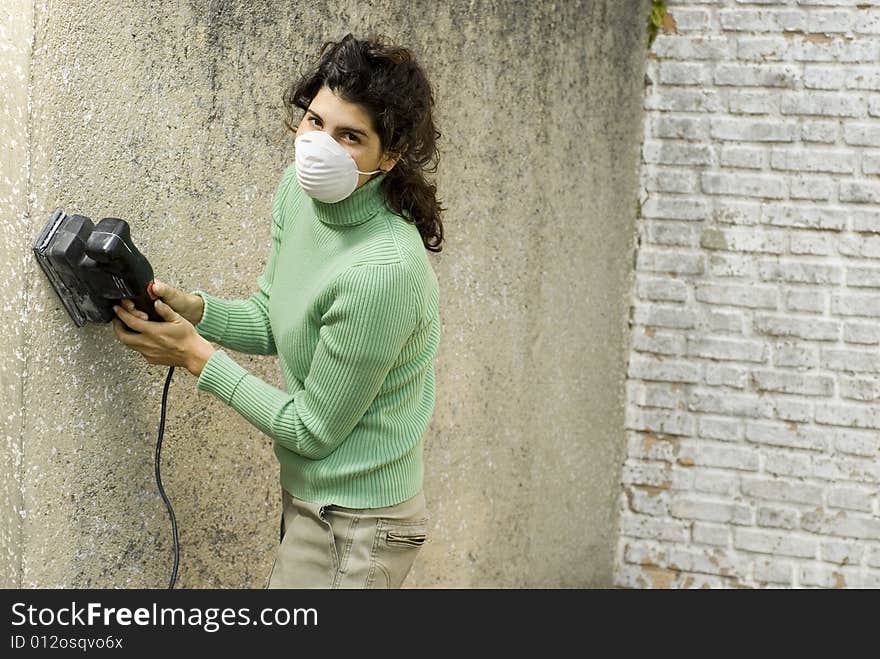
column 356, row 208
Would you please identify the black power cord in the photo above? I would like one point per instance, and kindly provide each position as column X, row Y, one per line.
column 159, row 481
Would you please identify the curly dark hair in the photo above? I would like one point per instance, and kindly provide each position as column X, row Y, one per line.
column 387, row 82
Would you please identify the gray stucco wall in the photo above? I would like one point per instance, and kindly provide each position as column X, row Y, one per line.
column 169, row 116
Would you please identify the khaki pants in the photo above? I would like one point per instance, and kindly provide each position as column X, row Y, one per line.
column 329, row 546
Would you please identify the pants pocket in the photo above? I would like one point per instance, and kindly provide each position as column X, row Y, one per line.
column 395, row 548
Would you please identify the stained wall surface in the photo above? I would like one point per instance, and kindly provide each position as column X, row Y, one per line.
column 169, row 115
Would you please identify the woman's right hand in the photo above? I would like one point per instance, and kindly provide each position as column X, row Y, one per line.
column 189, row 306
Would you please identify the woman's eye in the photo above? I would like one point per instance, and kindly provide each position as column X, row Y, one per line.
column 351, row 137
column 314, row 120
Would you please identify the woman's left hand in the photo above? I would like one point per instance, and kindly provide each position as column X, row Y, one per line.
column 174, row 342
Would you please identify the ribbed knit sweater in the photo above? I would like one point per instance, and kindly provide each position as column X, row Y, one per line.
column 349, row 302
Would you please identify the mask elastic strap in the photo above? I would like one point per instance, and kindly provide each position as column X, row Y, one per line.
column 375, row 171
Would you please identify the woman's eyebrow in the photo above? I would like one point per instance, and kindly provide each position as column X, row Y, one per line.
column 343, row 128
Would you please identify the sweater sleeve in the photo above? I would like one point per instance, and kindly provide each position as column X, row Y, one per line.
column 363, row 331
column 243, row 325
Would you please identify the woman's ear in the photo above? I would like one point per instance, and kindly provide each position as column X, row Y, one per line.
column 389, row 161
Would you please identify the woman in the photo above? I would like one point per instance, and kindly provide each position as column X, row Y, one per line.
column 349, row 303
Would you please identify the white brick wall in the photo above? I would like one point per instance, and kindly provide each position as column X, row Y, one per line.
column 753, row 393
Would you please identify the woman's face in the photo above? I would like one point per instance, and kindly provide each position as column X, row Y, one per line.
column 350, row 126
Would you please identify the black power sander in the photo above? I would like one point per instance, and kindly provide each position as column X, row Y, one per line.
column 93, row 267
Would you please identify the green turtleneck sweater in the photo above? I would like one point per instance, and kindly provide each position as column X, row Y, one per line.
column 349, row 303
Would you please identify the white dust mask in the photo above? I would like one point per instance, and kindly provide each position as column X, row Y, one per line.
column 324, row 169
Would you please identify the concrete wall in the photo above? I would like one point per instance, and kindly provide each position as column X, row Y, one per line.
column 169, row 115
column 753, row 431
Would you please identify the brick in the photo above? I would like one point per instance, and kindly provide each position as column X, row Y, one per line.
column 856, row 332
column 672, row 262
column 647, row 502
column 679, row 128
column 710, row 511
column 859, row 192
column 762, row 48
column 723, row 264
column 823, row 132
column 723, row 428
column 864, row 389
column 716, row 481
column 737, row 295
column 814, row 160
column 742, row 129
column 752, row 102
column 776, row 489
column 674, row 208
column 840, row 468
column 677, row 99
column 676, row 153
column 809, row 242
column 744, row 157
column 823, row 77
column 863, row 78
column 793, row 271
column 837, row 50
column 778, row 517
column 858, row 442
column 861, row 134
column 762, row 20
column 793, row 409
column 813, row 328
column 719, row 320
column 757, row 75
column 744, row 239
column 656, row 315
column 797, row 355
column 851, row 498
column 765, row 186
column 841, row 523
column 851, row 360
column 662, row 289
column 871, row 165
column 647, row 339
column 741, row 405
column 670, row 233
column 774, row 571
column 672, row 422
column 691, row 48
column 727, row 376
column 800, row 216
column 651, row 446
column 646, row 367
column 873, row 556
column 856, row 304
column 703, row 454
column 810, row 299
column 838, row 551
column 661, row 394
column 786, row 434
column 811, row 188
column 829, row 577
column 684, row 73
column 705, row 533
column 733, row 211
column 645, row 526
column 828, row 104
column 863, row 276
column 793, row 383
column 767, row 542
column 861, row 246
column 712, row 561
column 662, row 178
column 788, row 463
column 723, row 348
